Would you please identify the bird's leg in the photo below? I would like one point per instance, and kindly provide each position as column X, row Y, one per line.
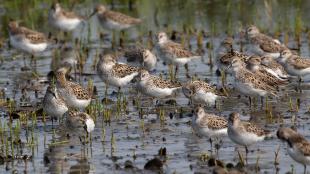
column 210, row 140
column 187, row 70
column 246, row 154
column 176, row 72
column 305, row 169
column 250, row 101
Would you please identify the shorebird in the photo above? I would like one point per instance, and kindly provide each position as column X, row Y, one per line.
column 209, row 125
column 155, row 86
column 53, row 104
column 244, row 133
column 63, row 20
column 273, row 67
column 26, row 40
column 113, row 20
column 173, row 52
column 225, row 55
column 78, row 122
column 113, row 73
column 262, row 44
column 143, row 56
column 298, row 146
column 267, row 76
column 249, row 83
column 73, row 93
column 295, row 65
column 200, row 92
column 64, row 55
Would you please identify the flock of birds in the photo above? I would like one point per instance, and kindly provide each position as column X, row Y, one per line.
column 267, row 66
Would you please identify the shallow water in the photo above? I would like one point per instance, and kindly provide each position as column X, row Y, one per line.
column 128, row 136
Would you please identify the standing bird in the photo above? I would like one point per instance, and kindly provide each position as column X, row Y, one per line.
column 26, row 40
column 173, row 53
column 73, row 93
column 63, row 20
column 113, row 20
column 209, row 125
column 244, row 133
column 255, row 66
column 154, row 86
column 77, row 123
column 113, row 73
column 262, row 44
column 295, row 65
column 200, row 92
column 53, row 104
column 143, row 56
column 273, row 67
column 298, row 146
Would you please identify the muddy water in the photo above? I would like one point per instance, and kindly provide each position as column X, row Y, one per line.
column 131, row 136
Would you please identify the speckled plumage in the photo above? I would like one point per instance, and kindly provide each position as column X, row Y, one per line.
column 173, row 52
column 143, row 56
column 64, row 20
column 114, row 73
column 298, row 146
column 114, row 20
column 78, row 122
column 250, row 83
column 200, row 92
column 262, row 44
column 26, row 39
column 155, row 86
column 207, row 124
column 274, row 67
column 73, row 93
column 53, row 104
column 244, row 133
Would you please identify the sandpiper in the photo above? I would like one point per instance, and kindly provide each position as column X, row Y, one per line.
column 144, row 56
column 295, row 65
column 64, row 55
column 298, row 146
column 254, row 65
column 26, row 40
column 73, row 93
column 78, row 122
column 249, row 83
column 63, row 20
column 53, row 104
column 262, row 44
column 172, row 52
column 113, row 20
column 113, row 73
column 155, row 86
column 200, row 92
column 244, row 133
column 273, row 67
column 225, row 54
column 209, row 125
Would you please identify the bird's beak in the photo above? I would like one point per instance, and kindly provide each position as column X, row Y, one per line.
column 92, row 14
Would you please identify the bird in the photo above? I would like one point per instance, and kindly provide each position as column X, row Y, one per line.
column 273, row 67
column 250, row 83
column 298, row 147
column 77, row 122
column 62, row 19
column 154, row 86
column 244, row 133
column 255, row 66
column 209, row 125
column 173, row 52
column 143, row 56
column 73, row 93
column 225, row 54
column 25, row 39
column 53, row 104
column 200, row 92
column 261, row 44
column 295, row 65
column 113, row 20
column 113, row 73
